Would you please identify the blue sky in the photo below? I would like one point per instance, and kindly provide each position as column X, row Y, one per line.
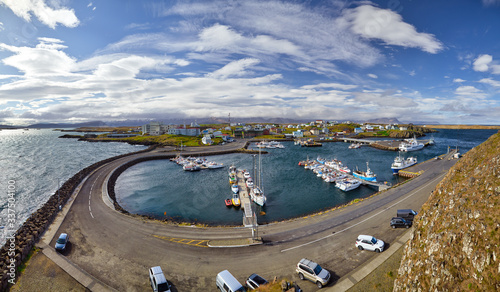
column 417, row 61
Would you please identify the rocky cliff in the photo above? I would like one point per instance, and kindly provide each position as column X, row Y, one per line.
column 455, row 244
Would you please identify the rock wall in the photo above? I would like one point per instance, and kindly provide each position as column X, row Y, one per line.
column 455, row 245
column 19, row 244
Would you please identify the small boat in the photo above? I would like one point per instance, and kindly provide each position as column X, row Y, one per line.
column 365, row 175
column 249, row 182
column 213, row 165
column 191, row 167
column 347, row 184
column 354, row 145
column 246, row 174
column 234, row 188
column 236, row 200
column 228, row 202
column 410, row 145
column 400, row 163
column 258, row 196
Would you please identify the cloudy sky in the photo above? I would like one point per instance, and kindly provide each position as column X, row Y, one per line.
column 417, row 61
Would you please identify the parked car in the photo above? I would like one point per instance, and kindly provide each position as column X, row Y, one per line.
column 407, row 214
column 158, row 281
column 369, row 242
column 62, row 241
column 400, row 222
column 254, row 281
column 313, row 272
column 226, row 282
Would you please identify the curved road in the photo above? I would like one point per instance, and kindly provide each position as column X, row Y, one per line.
column 118, row 249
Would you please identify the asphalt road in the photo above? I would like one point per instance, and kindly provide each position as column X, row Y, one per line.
column 119, row 249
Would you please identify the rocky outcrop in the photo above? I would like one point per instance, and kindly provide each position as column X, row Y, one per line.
column 455, row 245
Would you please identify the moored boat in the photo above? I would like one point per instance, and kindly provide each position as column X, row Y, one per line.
column 365, row 175
column 347, row 184
column 228, row 202
column 258, row 196
column 410, row 145
column 400, row 163
column 234, row 188
column 236, row 200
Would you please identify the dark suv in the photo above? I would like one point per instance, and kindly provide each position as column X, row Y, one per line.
column 400, row 222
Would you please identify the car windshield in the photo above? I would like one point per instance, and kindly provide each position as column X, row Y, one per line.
column 241, row 290
column 163, row 287
column 61, row 240
column 374, row 240
column 259, row 280
column 317, row 270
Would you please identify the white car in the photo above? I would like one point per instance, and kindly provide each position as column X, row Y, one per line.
column 369, row 242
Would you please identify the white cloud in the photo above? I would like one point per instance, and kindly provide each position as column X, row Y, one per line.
column 1, row 26
column 235, row 68
column 45, row 14
column 491, row 2
column 388, row 26
column 372, row 76
column 469, row 91
column 490, row 81
column 481, row 63
column 458, row 80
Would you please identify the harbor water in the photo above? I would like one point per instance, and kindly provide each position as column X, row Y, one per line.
column 161, row 188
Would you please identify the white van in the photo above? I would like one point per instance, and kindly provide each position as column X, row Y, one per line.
column 228, row 283
column 157, row 280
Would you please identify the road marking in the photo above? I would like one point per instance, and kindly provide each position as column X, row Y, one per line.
column 347, row 228
column 90, row 194
column 191, row 242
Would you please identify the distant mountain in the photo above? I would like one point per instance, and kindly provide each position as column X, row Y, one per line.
column 384, row 121
column 8, row 127
column 68, row 125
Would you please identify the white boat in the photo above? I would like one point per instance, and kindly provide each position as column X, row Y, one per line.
column 246, row 175
column 213, row 165
column 258, row 196
column 347, row 184
column 249, row 182
column 410, row 145
column 234, row 188
column 191, row 167
column 400, row 163
column 365, row 175
column 354, row 145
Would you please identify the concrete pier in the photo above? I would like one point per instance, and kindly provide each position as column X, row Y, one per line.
column 249, row 218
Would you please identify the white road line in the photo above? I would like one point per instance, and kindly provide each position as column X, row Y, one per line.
column 347, row 228
column 90, row 194
column 91, row 215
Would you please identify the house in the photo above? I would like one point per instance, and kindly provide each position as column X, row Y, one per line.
column 298, row 134
column 358, row 130
column 314, row 131
column 156, row 128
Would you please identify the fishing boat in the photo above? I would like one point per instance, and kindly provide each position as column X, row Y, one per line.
column 347, row 184
column 236, row 200
column 365, row 175
column 400, row 163
column 410, row 145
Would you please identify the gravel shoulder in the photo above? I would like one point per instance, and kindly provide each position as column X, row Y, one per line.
column 42, row 274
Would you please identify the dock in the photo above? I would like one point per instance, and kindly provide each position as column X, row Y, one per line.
column 418, row 169
column 249, row 218
column 392, row 145
column 380, row 185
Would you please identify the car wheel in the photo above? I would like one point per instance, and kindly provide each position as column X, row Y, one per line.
column 407, row 226
column 393, row 226
column 319, row 285
column 301, row 276
column 377, row 250
column 360, row 247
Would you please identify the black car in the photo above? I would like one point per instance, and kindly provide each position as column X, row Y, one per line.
column 400, row 222
column 254, row 281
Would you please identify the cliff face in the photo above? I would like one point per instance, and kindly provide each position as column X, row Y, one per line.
column 455, row 245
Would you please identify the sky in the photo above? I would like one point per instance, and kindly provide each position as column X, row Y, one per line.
column 426, row 61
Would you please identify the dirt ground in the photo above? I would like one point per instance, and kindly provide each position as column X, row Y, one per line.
column 382, row 278
column 42, row 274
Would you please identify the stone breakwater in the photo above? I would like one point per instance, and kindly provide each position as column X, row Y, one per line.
column 19, row 244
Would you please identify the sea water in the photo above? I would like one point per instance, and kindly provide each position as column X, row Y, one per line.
column 163, row 190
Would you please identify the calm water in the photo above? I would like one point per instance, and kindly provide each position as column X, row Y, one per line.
column 161, row 187
column 38, row 161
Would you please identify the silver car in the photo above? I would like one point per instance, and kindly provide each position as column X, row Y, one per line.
column 313, row 272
